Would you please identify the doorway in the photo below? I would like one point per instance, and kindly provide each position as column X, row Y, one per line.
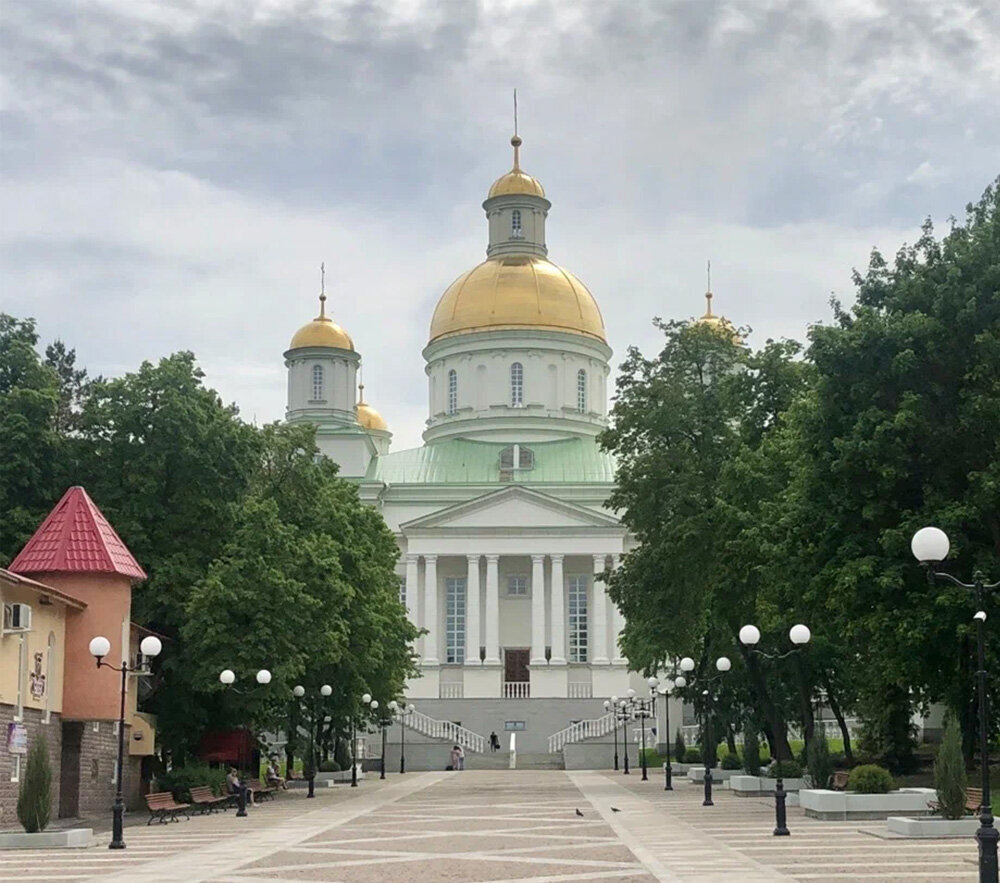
column 515, row 672
column 69, row 770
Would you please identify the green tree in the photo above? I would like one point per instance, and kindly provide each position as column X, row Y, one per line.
column 949, row 772
column 34, row 800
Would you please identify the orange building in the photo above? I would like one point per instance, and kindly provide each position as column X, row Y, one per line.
column 71, row 582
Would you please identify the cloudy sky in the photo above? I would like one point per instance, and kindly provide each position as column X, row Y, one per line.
column 174, row 172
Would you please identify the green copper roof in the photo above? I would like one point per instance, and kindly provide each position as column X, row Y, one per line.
column 461, row 461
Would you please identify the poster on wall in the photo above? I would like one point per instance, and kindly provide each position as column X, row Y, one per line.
column 17, row 739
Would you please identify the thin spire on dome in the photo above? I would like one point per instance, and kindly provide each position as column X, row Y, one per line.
column 322, row 290
column 516, row 139
column 708, row 293
column 361, row 384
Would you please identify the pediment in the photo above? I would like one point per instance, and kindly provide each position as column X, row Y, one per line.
column 512, row 508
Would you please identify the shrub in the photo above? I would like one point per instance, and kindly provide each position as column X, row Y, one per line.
column 34, row 800
column 751, row 751
column 872, row 779
column 180, row 780
column 680, row 749
column 329, row 766
column 949, row 772
column 818, row 760
column 692, row 755
column 787, row 769
column 731, row 762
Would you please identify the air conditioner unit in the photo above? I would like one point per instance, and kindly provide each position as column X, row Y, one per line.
column 16, row 618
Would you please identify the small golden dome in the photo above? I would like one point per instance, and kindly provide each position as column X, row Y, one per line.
column 517, row 291
column 368, row 417
column 321, row 331
column 516, row 181
column 718, row 323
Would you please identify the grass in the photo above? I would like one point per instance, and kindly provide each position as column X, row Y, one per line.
column 653, row 758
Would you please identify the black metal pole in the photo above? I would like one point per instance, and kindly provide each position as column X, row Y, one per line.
column 354, row 760
column 625, row 739
column 402, row 745
column 118, row 820
column 642, row 724
column 709, row 754
column 780, row 824
column 668, row 775
column 382, row 773
column 987, row 834
column 312, row 753
column 614, row 729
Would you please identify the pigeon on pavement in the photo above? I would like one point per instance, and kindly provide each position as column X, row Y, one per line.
column 615, row 809
column 580, row 814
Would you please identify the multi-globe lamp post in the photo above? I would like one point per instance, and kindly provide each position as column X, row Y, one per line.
column 611, row 707
column 99, row 648
column 299, row 692
column 383, row 721
column 644, row 709
column 722, row 665
column 402, row 711
column 227, row 677
column 799, row 635
column 665, row 690
column 930, row 546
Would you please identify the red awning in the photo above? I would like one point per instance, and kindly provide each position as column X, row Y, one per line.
column 226, row 746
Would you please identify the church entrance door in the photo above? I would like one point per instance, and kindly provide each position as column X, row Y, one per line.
column 515, row 672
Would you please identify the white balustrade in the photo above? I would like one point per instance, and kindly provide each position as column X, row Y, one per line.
column 451, row 691
column 581, row 690
column 517, row 690
column 438, row 729
column 581, row 730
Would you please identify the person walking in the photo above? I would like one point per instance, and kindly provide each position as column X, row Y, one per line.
column 494, row 742
column 455, row 754
column 461, row 758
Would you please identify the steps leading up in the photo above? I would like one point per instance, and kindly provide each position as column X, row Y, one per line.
column 501, row 761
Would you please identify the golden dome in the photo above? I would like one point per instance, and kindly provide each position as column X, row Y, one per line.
column 517, row 291
column 368, row 417
column 322, row 331
column 717, row 323
column 516, row 181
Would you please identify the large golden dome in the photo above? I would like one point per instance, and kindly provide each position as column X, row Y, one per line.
column 369, row 418
column 321, row 331
column 516, row 180
column 517, row 291
column 719, row 324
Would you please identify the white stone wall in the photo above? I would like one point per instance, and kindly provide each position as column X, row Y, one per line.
column 340, row 373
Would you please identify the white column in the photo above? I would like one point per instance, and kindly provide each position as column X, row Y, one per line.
column 618, row 623
column 472, row 611
column 431, row 610
column 492, row 610
column 558, row 619
column 537, row 610
column 600, row 645
column 412, row 587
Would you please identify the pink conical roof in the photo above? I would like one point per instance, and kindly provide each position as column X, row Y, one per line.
column 76, row 538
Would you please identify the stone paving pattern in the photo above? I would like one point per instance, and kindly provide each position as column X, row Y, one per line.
column 512, row 826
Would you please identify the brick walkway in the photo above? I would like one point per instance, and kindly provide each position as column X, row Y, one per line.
column 511, row 826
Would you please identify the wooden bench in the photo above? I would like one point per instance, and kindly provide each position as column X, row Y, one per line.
column 163, row 807
column 973, row 800
column 260, row 790
column 208, row 801
column 838, row 781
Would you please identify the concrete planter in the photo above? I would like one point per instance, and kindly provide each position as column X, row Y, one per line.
column 755, row 786
column 819, row 803
column 933, row 827
column 72, row 838
column 697, row 774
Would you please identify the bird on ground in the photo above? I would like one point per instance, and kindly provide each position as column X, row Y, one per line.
column 615, row 809
column 580, row 814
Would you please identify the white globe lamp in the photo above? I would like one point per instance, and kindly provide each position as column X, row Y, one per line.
column 930, row 545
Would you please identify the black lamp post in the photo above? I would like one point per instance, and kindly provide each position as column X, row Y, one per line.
column 402, row 711
column 625, row 715
column 930, row 546
column 611, row 707
column 722, row 664
column 799, row 635
column 99, row 648
column 664, row 690
column 227, row 678
column 298, row 691
column 366, row 699
column 382, row 722
column 644, row 710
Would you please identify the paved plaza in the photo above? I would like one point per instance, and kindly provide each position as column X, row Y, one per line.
column 512, row 826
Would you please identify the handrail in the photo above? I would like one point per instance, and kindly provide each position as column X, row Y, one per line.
column 438, row 729
column 581, row 730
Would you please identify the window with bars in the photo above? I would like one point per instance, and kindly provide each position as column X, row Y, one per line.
column 581, row 390
column 317, row 374
column 517, row 384
column 517, row 586
column 577, row 606
column 515, row 225
column 454, row 624
column 452, row 391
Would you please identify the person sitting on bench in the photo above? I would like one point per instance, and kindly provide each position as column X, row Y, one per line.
column 273, row 776
column 233, row 785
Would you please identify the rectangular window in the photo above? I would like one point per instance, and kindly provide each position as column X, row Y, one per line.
column 402, row 590
column 517, row 586
column 578, row 586
column 454, row 626
column 513, row 725
column 15, row 769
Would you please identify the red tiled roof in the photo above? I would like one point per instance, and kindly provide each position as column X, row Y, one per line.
column 76, row 538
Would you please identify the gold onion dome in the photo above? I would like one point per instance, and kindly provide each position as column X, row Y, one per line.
column 517, row 291
column 321, row 331
column 717, row 323
column 368, row 417
column 516, row 181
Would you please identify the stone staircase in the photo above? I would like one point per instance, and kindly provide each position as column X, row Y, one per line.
column 500, row 760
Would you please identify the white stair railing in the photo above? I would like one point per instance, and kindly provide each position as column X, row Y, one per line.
column 438, row 729
column 581, row 730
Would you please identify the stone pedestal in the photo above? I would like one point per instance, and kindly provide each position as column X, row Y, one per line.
column 483, row 682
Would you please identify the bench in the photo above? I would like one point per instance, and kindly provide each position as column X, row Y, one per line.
column 207, row 801
column 973, row 800
column 838, row 781
column 260, row 790
column 163, row 807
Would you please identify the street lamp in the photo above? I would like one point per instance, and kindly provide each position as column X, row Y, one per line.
column 722, row 665
column 383, row 722
column 664, row 690
column 402, row 711
column 645, row 709
column 612, row 708
column 227, row 677
column 315, row 719
column 624, row 715
column 366, row 699
column 799, row 635
column 99, row 648
column 930, row 547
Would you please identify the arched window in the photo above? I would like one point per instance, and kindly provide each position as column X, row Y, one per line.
column 517, row 384
column 452, row 391
column 581, row 390
column 515, row 225
column 317, row 383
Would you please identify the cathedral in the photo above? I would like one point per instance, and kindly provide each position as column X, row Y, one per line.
column 500, row 514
